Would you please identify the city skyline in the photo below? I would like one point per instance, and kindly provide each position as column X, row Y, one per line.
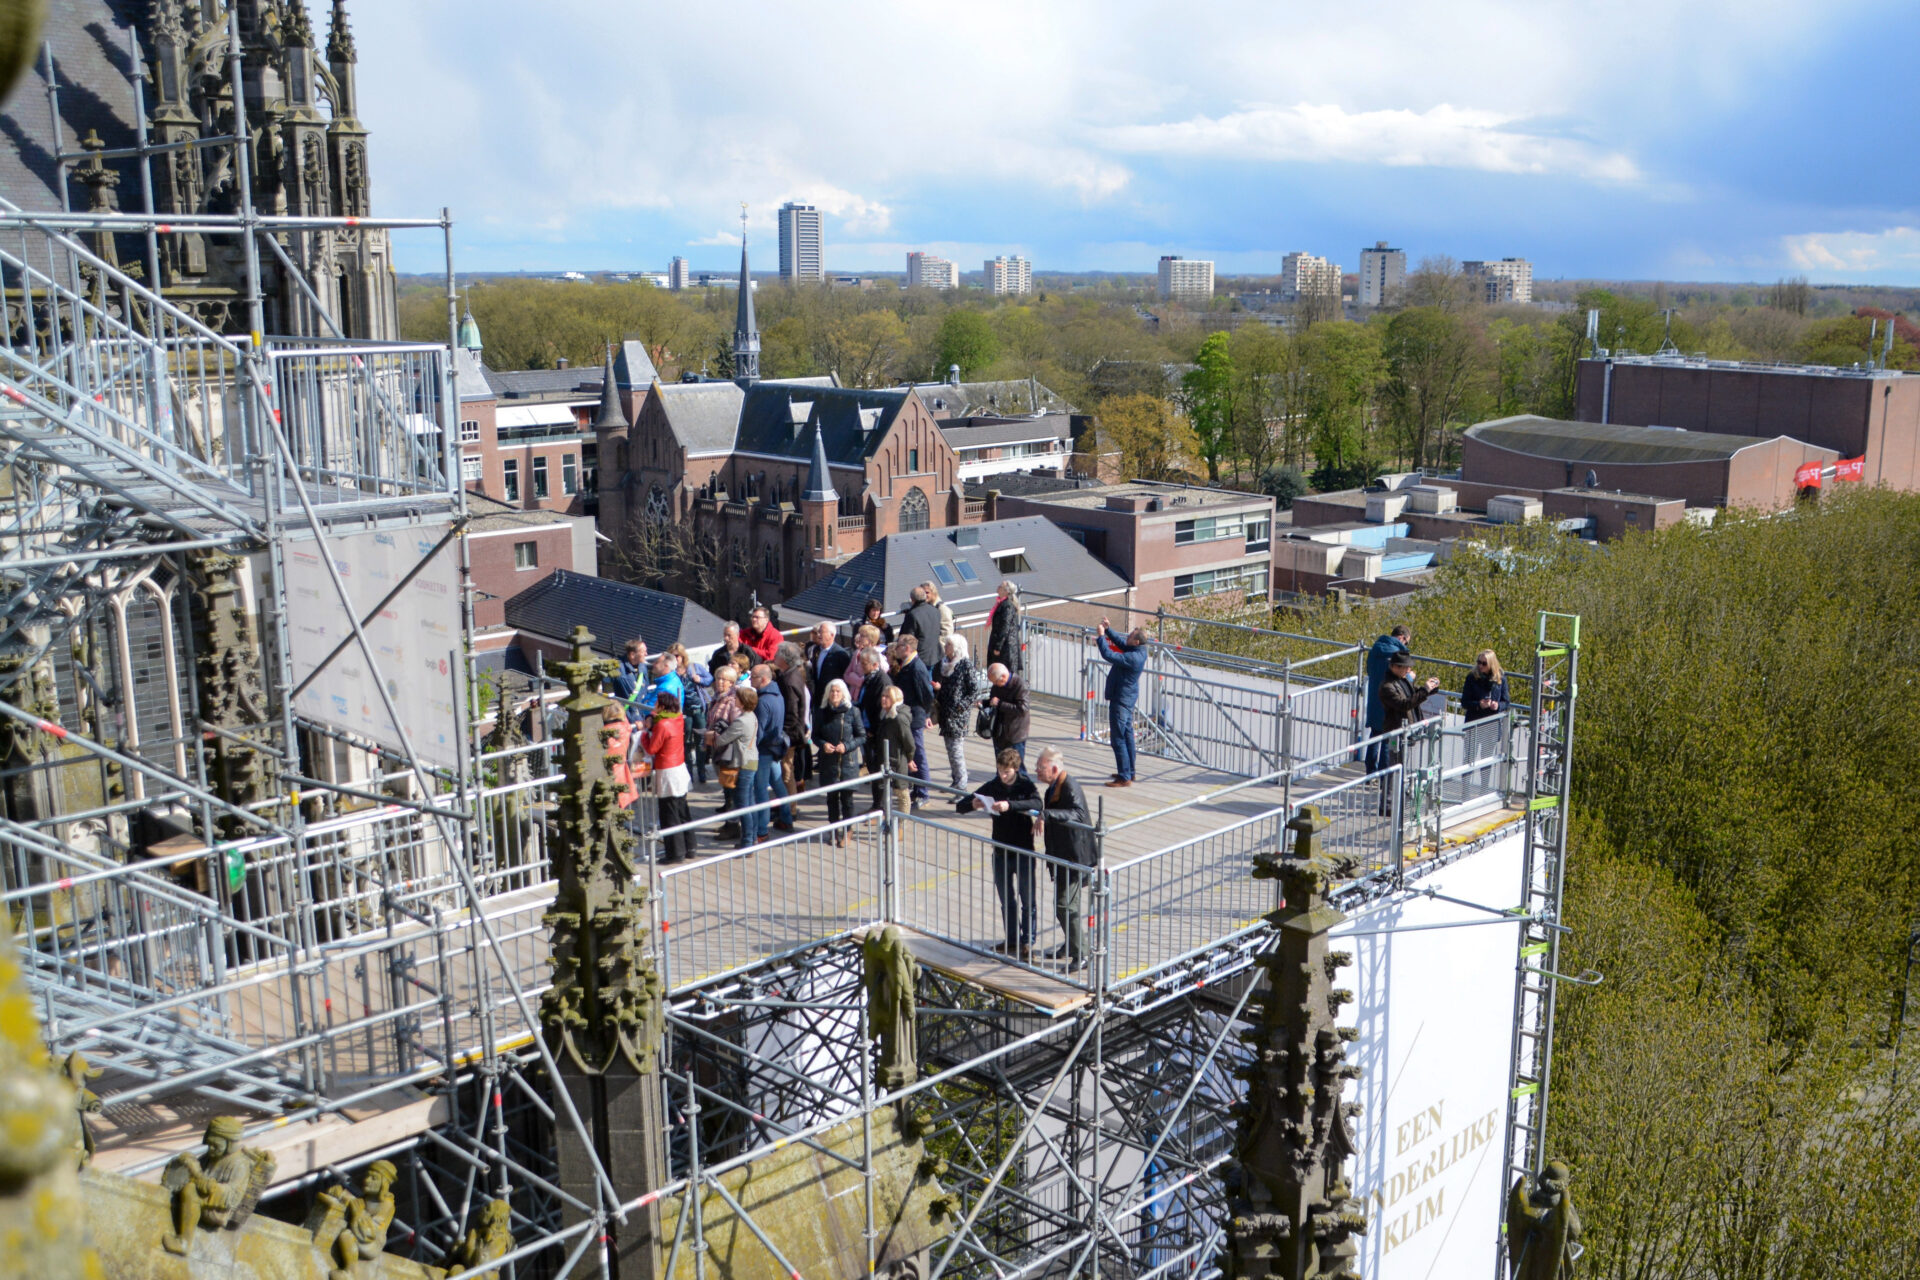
column 1649, row 146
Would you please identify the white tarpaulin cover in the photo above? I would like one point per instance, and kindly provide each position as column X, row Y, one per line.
column 1435, row 1015
column 414, row 639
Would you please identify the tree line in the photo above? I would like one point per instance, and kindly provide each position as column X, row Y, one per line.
column 1280, row 399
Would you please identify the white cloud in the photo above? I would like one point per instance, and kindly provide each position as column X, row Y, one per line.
column 1856, row 252
column 1440, row 137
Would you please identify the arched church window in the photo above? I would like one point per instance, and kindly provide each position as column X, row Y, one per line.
column 915, row 512
column 658, row 510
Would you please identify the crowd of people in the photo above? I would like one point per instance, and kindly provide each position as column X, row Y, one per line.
column 771, row 718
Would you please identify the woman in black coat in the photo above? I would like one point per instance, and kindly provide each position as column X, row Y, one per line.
column 1003, row 632
column 839, row 739
column 876, row 617
column 1484, row 692
column 872, row 690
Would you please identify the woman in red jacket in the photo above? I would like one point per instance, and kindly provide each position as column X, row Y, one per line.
column 666, row 742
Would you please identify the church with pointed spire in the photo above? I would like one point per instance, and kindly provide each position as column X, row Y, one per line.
column 766, row 484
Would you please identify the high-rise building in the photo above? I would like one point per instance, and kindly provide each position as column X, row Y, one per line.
column 1383, row 274
column 1303, row 275
column 1508, row 280
column 803, row 253
column 1009, row 275
column 1187, row 278
column 678, row 276
column 931, row 271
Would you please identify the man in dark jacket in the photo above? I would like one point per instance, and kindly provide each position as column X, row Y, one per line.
column 728, row 650
column 826, row 661
column 773, row 743
column 1400, row 698
column 1067, row 827
column 1013, row 800
column 921, row 620
column 1126, row 659
column 916, row 682
column 1012, row 721
column 1395, row 641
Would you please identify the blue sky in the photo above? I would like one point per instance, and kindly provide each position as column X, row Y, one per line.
column 1715, row 140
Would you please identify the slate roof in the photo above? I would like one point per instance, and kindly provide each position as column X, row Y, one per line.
column 1607, row 442
column 527, row 384
column 94, row 66
column 632, row 367
column 892, row 567
column 852, row 421
column 1052, row 426
column 703, row 416
column 615, row 612
column 998, row 398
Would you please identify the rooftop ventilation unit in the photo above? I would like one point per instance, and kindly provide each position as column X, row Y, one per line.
column 967, row 536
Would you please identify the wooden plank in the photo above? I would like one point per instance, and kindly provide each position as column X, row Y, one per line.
column 1049, row 995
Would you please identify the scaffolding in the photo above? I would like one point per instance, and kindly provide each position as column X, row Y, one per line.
column 233, row 906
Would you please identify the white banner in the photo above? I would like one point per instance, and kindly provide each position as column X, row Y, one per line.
column 414, row 638
column 1435, row 1014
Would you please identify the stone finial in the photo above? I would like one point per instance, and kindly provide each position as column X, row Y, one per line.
column 1542, row 1225
column 892, row 973
column 217, row 1188
column 1291, row 1213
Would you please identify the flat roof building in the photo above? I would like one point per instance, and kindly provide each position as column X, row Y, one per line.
column 803, row 249
column 1009, row 275
column 1383, row 274
column 1706, row 469
column 1303, row 275
column 1508, row 280
column 1185, row 278
column 931, row 271
column 1873, row 414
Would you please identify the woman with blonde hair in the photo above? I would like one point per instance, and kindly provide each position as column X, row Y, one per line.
column 1484, row 692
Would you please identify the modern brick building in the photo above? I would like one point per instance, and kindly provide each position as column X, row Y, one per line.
column 511, row 549
column 1171, row 542
column 1857, row 413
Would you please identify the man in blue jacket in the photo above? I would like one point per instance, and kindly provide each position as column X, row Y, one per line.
column 1379, row 657
column 1126, row 658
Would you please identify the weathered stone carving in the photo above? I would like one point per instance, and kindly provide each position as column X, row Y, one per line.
column 1292, row 1214
column 78, row 1071
column 607, row 999
column 1542, row 1226
column 353, row 1229
column 492, row 1241
column 230, row 692
column 217, row 1188
column 891, row 974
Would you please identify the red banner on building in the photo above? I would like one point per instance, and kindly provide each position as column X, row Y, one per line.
column 1807, row 476
column 1850, row 469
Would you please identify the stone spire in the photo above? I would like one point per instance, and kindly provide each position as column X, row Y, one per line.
column 1290, row 1212
column 819, row 479
column 746, row 336
column 612, row 415
column 341, row 58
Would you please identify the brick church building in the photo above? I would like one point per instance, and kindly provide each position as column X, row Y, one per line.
column 730, row 492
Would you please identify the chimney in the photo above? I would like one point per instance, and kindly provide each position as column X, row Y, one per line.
column 563, row 363
column 967, row 536
column 953, row 375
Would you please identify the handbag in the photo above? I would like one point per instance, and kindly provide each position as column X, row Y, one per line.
column 729, row 776
column 983, row 722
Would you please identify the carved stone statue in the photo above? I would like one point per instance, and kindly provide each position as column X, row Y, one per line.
column 217, row 1188
column 891, row 975
column 489, row 1243
column 78, row 1071
column 1542, row 1226
column 353, row 1229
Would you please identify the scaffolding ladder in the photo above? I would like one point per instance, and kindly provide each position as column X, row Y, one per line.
column 1556, row 661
